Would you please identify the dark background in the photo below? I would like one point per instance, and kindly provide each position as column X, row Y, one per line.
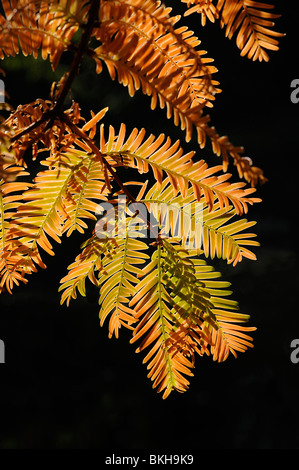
column 66, row 385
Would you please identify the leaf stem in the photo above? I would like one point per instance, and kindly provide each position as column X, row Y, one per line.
column 83, row 45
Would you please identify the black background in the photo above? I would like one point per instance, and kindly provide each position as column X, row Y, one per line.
column 66, row 385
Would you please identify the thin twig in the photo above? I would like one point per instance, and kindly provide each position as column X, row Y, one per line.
column 83, row 46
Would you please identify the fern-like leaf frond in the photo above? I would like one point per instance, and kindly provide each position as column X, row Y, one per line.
column 85, row 266
column 112, row 265
column 162, row 156
column 197, row 226
column 146, row 51
column 58, row 201
column 36, row 25
column 254, row 24
column 117, row 283
column 86, row 186
column 183, row 309
column 10, row 272
column 41, row 216
column 140, row 43
column 219, row 330
column 250, row 20
column 152, row 304
column 229, row 336
column 205, row 7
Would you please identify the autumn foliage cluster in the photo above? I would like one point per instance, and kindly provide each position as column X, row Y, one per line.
column 158, row 285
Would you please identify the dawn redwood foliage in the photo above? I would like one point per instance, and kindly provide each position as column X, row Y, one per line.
column 150, row 268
